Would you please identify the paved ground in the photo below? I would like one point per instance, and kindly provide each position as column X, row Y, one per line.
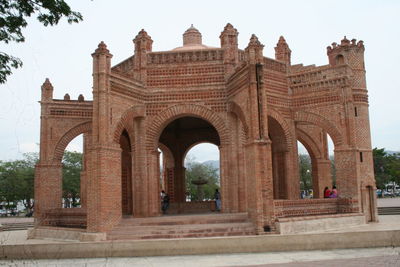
column 389, row 202
column 343, row 258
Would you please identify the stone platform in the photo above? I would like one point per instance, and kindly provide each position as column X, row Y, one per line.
column 15, row 245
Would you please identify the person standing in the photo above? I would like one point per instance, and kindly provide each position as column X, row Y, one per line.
column 217, row 197
column 165, row 204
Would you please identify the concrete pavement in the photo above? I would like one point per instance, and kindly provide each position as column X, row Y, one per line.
column 342, row 257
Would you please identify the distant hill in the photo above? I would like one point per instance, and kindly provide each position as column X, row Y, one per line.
column 390, row 152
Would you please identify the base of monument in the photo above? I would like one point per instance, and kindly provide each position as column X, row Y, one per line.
column 65, row 234
column 309, row 224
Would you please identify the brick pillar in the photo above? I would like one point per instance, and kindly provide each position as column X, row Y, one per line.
column 83, row 197
column 48, row 189
column 292, row 174
column 153, row 192
column 233, row 166
column 104, row 171
column 321, row 176
column 242, row 178
column 104, row 208
column 224, row 178
column 260, row 184
column 179, row 181
column 139, row 170
column 347, row 180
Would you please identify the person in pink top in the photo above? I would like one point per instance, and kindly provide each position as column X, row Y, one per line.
column 334, row 193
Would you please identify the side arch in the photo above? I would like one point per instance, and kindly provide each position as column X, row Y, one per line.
column 85, row 127
column 331, row 129
column 237, row 110
column 285, row 126
column 181, row 110
column 126, row 122
column 308, row 143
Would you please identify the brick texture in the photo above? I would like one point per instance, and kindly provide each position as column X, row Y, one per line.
column 253, row 108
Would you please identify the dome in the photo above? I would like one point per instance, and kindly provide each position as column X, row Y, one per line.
column 192, row 40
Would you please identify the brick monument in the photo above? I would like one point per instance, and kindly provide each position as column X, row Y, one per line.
column 254, row 108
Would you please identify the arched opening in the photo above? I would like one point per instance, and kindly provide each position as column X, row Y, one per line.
column 72, row 166
column 316, row 167
column 126, row 174
column 279, row 150
column 305, row 171
column 177, row 138
column 202, row 172
column 339, row 60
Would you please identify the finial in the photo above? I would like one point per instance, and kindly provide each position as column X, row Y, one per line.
column 102, row 48
column 254, row 40
column 67, row 97
column 345, row 41
column 81, row 98
column 47, row 84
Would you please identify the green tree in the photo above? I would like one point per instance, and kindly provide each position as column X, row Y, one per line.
column 386, row 167
column 13, row 14
column 16, row 181
column 72, row 167
column 305, row 172
column 195, row 171
column 333, row 169
column 381, row 168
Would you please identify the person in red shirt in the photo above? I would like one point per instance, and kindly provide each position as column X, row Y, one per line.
column 327, row 192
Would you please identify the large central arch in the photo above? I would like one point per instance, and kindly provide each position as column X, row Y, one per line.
column 164, row 118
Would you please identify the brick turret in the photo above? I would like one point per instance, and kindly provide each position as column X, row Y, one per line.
column 282, row 51
column 47, row 90
column 143, row 45
column 229, row 42
column 347, row 52
column 254, row 50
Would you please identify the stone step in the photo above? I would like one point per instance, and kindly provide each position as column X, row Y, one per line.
column 187, row 219
column 16, row 226
column 179, row 231
column 183, row 226
column 389, row 210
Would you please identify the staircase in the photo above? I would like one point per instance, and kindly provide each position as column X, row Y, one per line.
column 388, row 210
column 183, row 226
column 16, row 226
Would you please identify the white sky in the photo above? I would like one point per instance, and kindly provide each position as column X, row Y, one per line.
column 63, row 53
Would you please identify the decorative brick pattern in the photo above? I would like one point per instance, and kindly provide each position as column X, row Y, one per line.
column 253, row 108
column 306, row 207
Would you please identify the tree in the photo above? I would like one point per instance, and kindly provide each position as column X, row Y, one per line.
column 305, row 172
column 13, row 14
column 16, row 181
column 386, row 167
column 72, row 167
column 195, row 171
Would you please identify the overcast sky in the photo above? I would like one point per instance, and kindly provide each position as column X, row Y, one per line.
column 63, row 53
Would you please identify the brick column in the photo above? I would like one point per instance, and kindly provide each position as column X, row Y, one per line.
column 48, row 189
column 153, row 192
column 233, row 167
column 347, row 180
column 260, row 185
column 292, row 174
column 321, row 176
column 104, row 208
column 83, row 197
column 224, row 179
